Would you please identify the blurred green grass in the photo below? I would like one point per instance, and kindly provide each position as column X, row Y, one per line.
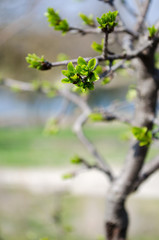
column 24, row 147
column 61, row 216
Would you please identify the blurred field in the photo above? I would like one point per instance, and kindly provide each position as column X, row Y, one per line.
column 60, row 216
column 24, row 147
column 26, row 215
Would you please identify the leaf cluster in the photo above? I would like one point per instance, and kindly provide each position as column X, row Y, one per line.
column 107, row 21
column 142, row 135
column 88, row 20
column 152, row 31
column 83, row 75
column 56, row 22
column 37, row 62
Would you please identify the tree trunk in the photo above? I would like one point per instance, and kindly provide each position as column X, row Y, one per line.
column 117, row 217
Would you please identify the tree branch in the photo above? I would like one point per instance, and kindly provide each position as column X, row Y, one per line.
column 105, row 48
column 65, row 62
column 92, row 166
column 126, row 56
column 28, row 87
column 23, row 86
column 126, row 30
column 142, row 15
column 112, row 116
column 85, row 31
column 79, row 132
column 147, row 171
column 111, row 2
column 111, row 70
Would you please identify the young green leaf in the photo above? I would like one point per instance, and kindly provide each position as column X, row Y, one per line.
column 92, row 63
column 65, row 80
column 88, row 20
column 142, row 135
column 37, row 62
column 107, row 21
column 68, row 176
column 96, row 117
column 66, row 73
column 81, row 61
column 152, row 31
column 97, row 47
column 76, row 160
column 70, row 67
column 98, row 69
column 83, row 76
column 106, row 80
column 52, row 17
column 56, row 22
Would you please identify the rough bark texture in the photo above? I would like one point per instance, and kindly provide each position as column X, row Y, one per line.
column 117, row 217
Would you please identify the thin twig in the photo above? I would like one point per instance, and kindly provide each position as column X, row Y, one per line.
column 126, row 30
column 99, row 31
column 126, row 56
column 92, row 166
column 105, row 49
column 111, row 70
column 85, row 31
column 65, row 62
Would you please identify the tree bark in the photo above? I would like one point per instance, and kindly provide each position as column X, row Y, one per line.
column 116, row 225
column 116, row 217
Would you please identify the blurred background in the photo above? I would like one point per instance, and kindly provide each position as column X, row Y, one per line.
column 35, row 202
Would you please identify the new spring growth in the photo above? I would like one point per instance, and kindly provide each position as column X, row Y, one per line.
column 107, row 21
column 83, row 75
column 143, row 135
column 152, row 31
column 38, row 62
column 88, row 20
column 55, row 21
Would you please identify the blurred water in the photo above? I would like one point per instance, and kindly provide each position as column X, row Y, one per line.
column 23, row 108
